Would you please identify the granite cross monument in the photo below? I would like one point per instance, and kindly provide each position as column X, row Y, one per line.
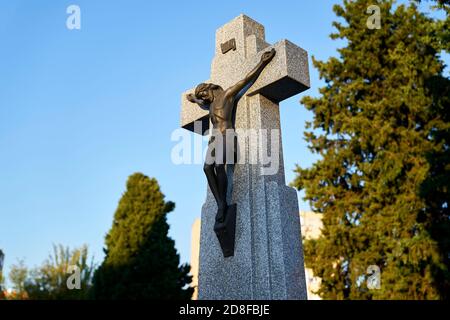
column 266, row 260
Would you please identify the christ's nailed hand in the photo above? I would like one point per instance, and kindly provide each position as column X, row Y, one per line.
column 190, row 97
column 268, row 56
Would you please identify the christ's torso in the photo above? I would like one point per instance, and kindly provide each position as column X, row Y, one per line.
column 221, row 113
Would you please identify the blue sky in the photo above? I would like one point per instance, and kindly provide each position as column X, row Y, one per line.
column 81, row 110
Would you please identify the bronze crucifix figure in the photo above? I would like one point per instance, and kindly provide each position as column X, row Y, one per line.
column 221, row 105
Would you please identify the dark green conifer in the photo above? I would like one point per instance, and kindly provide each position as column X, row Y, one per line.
column 381, row 127
column 141, row 261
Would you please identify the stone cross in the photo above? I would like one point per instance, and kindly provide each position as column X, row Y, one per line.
column 268, row 255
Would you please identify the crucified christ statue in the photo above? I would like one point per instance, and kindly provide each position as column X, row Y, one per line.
column 221, row 106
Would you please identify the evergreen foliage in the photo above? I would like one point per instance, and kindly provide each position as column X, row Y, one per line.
column 141, row 260
column 381, row 126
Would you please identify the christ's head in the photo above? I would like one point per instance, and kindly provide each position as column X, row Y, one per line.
column 205, row 92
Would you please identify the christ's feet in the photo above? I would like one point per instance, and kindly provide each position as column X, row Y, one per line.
column 221, row 212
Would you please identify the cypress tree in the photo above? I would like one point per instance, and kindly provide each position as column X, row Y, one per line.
column 141, row 261
column 381, row 127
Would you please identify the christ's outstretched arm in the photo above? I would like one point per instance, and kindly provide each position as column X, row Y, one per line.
column 252, row 76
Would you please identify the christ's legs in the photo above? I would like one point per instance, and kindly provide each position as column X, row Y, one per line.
column 212, row 180
column 218, row 182
column 216, row 174
column 222, row 184
column 221, row 174
column 208, row 168
column 212, row 173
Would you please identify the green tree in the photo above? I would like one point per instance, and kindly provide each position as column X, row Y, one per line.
column 2, row 286
column 18, row 275
column 381, row 127
column 442, row 2
column 56, row 279
column 2, row 280
column 141, row 261
column 443, row 26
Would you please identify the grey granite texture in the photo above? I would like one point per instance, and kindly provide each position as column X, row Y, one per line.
column 268, row 259
column 285, row 76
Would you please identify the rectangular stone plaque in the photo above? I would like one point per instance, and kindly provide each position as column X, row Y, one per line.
column 228, row 46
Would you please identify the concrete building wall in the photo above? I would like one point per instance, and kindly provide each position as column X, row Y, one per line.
column 195, row 253
column 311, row 223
